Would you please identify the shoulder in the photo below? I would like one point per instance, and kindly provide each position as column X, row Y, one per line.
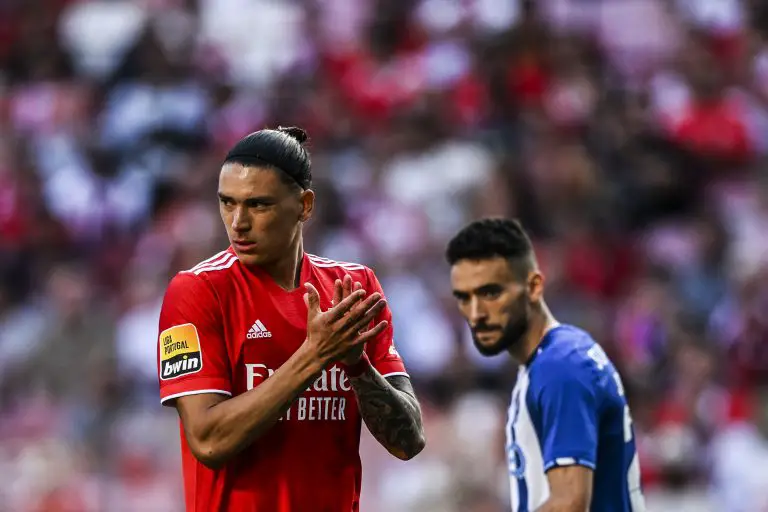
column 219, row 263
column 198, row 278
column 569, row 356
column 334, row 269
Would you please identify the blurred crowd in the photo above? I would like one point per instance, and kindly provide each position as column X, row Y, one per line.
column 629, row 136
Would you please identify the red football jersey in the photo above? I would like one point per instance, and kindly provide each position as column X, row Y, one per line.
column 224, row 328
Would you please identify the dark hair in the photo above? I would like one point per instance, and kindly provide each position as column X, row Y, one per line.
column 490, row 238
column 280, row 149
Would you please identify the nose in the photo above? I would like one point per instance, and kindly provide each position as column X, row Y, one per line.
column 240, row 221
column 477, row 313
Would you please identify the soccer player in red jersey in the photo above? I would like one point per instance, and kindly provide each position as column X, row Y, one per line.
column 273, row 357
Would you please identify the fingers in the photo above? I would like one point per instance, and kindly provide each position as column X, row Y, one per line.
column 337, row 292
column 342, row 288
column 362, row 314
column 312, row 299
column 369, row 317
column 340, row 309
column 371, row 334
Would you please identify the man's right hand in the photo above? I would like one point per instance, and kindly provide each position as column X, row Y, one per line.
column 333, row 333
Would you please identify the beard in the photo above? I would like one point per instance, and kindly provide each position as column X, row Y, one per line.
column 511, row 334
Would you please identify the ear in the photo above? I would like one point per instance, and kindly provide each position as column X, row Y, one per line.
column 536, row 286
column 307, row 205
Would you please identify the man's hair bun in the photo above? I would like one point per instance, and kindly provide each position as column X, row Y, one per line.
column 294, row 132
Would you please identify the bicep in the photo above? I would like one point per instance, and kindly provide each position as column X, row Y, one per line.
column 193, row 410
column 571, row 486
column 565, row 417
column 402, row 383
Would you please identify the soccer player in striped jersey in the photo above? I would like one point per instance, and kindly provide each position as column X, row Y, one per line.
column 274, row 357
column 570, row 442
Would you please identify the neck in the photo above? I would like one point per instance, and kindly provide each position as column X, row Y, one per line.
column 541, row 322
column 286, row 272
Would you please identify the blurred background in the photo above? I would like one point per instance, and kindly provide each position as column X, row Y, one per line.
column 629, row 136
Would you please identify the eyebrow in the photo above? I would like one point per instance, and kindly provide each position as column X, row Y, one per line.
column 248, row 200
column 489, row 287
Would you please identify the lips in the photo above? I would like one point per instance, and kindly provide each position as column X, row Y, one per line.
column 243, row 245
column 484, row 329
column 485, row 333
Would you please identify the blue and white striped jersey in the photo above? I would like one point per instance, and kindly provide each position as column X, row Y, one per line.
column 568, row 407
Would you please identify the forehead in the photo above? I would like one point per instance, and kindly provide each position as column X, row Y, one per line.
column 240, row 181
column 467, row 275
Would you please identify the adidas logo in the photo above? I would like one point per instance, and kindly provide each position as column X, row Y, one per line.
column 258, row 330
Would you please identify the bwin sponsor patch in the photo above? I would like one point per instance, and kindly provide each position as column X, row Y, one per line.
column 180, row 352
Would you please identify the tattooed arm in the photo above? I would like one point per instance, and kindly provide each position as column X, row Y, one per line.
column 391, row 412
column 388, row 405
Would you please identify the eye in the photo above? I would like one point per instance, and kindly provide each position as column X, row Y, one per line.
column 258, row 205
column 461, row 298
column 490, row 293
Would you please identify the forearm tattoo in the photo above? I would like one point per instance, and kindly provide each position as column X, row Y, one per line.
column 391, row 412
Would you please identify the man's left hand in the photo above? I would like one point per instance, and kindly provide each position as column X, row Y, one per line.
column 342, row 289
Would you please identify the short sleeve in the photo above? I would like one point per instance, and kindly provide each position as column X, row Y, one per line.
column 564, row 414
column 191, row 353
column 382, row 351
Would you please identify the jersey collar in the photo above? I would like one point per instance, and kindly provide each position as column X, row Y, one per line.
column 546, row 341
